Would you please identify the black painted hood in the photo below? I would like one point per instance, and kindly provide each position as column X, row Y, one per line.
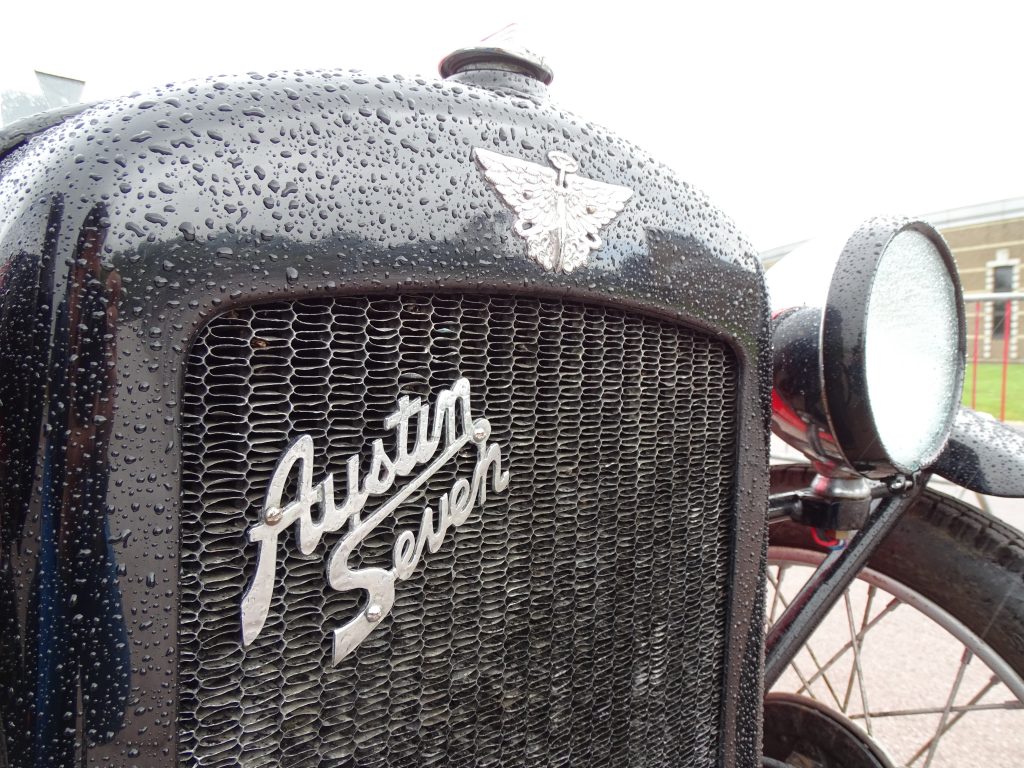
column 125, row 227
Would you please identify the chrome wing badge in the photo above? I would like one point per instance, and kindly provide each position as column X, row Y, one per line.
column 559, row 212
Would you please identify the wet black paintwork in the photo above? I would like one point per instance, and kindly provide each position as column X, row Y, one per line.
column 984, row 455
column 124, row 228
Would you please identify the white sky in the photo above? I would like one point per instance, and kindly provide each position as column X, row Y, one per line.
column 793, row 116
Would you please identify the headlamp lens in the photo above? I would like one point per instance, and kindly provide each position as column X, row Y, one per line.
column 912, row 363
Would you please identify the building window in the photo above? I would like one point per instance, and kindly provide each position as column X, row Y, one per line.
column 1002, row 282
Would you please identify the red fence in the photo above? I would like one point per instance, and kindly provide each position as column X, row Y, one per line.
column 988, row 346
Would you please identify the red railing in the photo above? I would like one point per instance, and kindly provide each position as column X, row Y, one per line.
column 975, row 357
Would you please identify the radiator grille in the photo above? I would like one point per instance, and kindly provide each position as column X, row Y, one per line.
column 577, row 619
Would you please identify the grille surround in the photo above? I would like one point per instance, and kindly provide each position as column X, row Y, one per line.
column 333, row 715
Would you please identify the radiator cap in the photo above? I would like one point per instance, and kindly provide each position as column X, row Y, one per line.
column 500, row 52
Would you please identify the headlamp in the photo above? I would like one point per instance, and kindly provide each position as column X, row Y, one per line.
column 869, row 348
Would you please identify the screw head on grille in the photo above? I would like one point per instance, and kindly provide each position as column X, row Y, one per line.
column 374, row 612
column 273, row 516
column 481, row 430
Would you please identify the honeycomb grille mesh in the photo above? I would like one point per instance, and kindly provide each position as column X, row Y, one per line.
column 577, row 618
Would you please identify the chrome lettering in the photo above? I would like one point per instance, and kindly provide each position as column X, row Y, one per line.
column 440, row 435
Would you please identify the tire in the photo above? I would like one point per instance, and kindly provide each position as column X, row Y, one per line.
column 960, row 558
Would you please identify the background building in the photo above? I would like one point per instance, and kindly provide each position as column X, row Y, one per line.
column 988, row 244
column 27, row 92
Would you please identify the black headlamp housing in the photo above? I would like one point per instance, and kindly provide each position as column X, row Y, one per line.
column 821, row 400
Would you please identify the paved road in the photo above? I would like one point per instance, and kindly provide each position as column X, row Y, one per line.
column 908, row 662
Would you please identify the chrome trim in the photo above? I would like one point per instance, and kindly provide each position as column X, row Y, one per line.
column 558, row 212
column 439, row 437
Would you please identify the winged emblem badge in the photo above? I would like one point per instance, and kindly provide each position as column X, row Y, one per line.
column 558, row 212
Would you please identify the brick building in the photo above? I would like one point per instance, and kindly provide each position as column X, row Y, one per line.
column 988, row 244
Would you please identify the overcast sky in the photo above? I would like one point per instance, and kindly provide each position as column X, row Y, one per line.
column 792, row 116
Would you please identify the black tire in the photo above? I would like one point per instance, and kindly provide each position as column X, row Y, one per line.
column 959, row 557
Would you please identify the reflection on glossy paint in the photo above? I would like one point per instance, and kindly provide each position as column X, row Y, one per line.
column 68, row 662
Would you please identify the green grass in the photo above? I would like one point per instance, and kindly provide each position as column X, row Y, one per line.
column 989, row 384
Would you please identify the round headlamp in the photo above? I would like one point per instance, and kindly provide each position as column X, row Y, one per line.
column 869, row 348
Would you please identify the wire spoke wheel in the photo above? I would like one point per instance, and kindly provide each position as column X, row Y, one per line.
column 915, row 658
column 901, row 667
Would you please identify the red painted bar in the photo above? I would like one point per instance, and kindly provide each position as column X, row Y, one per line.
column 1006, row 359
column 974, row 359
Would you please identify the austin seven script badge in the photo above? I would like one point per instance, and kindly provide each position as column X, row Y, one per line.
column 425, row 439
column 558, row 211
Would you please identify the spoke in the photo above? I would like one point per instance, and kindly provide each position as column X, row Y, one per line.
column 776, row 584
column 949, row 712
column 803, row 680
column 891, row 606
column 872, row 591
column 857, row 665
column 856, row 639
column 961, row 709
column 934, row 743
column 805, row 683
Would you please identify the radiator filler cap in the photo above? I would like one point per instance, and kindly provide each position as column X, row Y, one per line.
column 501, row 52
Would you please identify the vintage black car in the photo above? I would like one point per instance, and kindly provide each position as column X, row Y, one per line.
column 368, row 421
